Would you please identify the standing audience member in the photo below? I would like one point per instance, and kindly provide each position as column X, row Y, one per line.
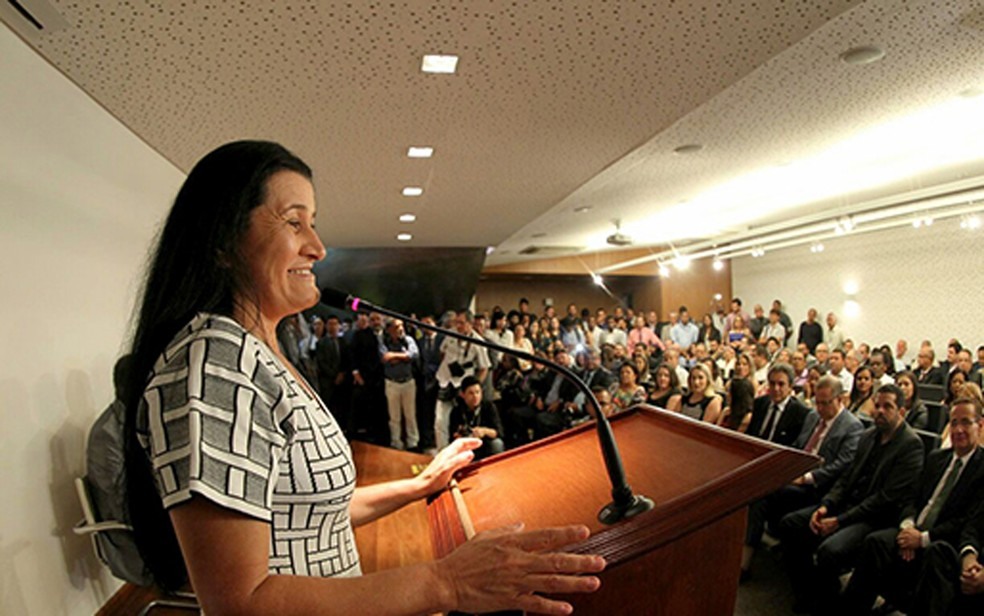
column 739, row 335
column 734, row 313
column 521, row 343
column 773, row 329
column 429, row 346
column 398, row 352
column 834, row 336
column 328, row 356
column 459, row 359
column 369, row 408
column 810, row 331
column 708, row 333
column 684, row 333
column 642, row 334
column 821, row 543
column 758, row 322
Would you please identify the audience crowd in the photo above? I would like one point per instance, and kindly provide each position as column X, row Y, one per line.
column 898, row 498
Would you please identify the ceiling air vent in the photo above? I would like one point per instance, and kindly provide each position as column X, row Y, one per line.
column 31, row 19
column 548, row 251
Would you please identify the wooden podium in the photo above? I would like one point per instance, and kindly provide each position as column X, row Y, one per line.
column 682, row 558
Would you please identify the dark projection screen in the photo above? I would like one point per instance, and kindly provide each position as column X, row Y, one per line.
column 411, row 280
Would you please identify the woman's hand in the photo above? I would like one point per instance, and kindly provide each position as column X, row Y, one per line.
column 437, row 474
column 502, row 569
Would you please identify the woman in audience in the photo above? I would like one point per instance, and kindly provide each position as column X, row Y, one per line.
column 716, row 381
column 889, row 359
column 522, row 343
column 666, row 392
column 703, row 403
column 533, row 335
column 741, row 398
column 707, row 331
column 916, row 414
column 782, row 356
column 954, row 381
column 861, row 402
column 629, row 391
column 808, row 395
column 233, row 260
column 642, row 367
column 744, row 367
column 739, row 334
column 726, row 362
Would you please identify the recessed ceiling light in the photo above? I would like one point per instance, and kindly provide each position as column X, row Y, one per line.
column 407, row 218
column 582, row 209
column 489, row 250
column 413, row 191
column 862, row 55
column 439, row 64
column 718, row 265
column 420, row 151
column 688, row 148
column 664, row 271
column 404, row 237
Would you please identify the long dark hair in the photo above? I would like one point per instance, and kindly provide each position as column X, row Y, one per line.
column 197, row 266
column 742, row 401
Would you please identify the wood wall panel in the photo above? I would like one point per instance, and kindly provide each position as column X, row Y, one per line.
column 696, row 288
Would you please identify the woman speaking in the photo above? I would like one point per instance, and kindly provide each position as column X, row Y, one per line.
column 238, row 477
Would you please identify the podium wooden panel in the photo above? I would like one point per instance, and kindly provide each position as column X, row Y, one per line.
column 683, row 557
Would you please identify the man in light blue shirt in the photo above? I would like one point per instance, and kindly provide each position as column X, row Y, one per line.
column 685, row 332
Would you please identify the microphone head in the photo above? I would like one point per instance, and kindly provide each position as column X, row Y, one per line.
column 335, row 298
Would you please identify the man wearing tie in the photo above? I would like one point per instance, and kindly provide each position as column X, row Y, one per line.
column 328, row 359
column 892, row 560
column 821, row 543
column 778, row 416
column 828, row 432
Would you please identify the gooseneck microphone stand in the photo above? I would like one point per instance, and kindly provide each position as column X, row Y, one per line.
column 625, row 503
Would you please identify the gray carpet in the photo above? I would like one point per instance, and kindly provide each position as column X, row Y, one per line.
column 767, row 591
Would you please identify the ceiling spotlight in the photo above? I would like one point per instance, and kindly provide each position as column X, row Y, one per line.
column 664, row 271
column 420, row 151
column 718, row 297
column 970, row 222
column 916, row 223
column 413, row 191
column 404, row 237
column 682, row 262
column 597, row 279
column 758, row 252
column 582, row 209
column 862, row 55
column 439, row 64
column 718, row 264
column 489, row 250
column 816, row 247
column 928, row 222
column 407, row 218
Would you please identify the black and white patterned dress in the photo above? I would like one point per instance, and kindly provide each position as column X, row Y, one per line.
column 222, row 417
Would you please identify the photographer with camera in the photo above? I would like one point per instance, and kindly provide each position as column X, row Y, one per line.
column 459, row 359
column 472, row 416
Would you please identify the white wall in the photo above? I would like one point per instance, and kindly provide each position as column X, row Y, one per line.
column 916, row 284
column 80, row 199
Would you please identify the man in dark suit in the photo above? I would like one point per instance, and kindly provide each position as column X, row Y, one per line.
column 926, row 373
column 328, row 359
column 821, row 543
column 829, row 432
column 369, row 414
column 949, row 488
column 778, row 417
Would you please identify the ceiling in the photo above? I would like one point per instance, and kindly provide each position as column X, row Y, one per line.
column 556, row 106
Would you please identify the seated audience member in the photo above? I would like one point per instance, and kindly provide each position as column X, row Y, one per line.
column 967, row 390
column 878, row 363
column 900, row 360
column 516, row 402
column 954, row 381
column 745, row 369
column 965, row 362
column 865, row 353
column 641, row 362
column 778, row 354
column 798, row 361
column 828, row 432
column 725, row 357
column 521, row 343
column 702, row 402
column 572, row 334
column 672, row 359
column 862, row 400
column 778, row 416
column 813, row 375
column 950, row 487
column 666, row 392
column 604, row 397
column 717, row 383
column 708, row 333
column 735, row 312
column 916, row 414
column 783, row 319
column 474, row 417
column 953, row 347
column 614, row 335
column 822, row 353
column 760, row 361
column 853, row 360
column 926, row 372
column 739, row 334
column 628, row 392
column 821, row 543
column 666, row 328
column 740, row 401
column 838, row 367
column 810, row 331
column 889, row 360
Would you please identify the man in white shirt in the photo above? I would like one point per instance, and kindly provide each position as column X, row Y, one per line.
column 459, row 358
column 834, row 337
column 838, row 369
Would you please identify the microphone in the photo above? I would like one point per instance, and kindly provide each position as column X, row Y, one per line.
column 625, row 503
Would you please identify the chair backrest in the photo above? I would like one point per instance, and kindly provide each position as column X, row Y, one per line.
column 938, row 416
column 931, row 393
column 931, row 441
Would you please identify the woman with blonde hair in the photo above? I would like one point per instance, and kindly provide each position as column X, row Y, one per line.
column 703, row 403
